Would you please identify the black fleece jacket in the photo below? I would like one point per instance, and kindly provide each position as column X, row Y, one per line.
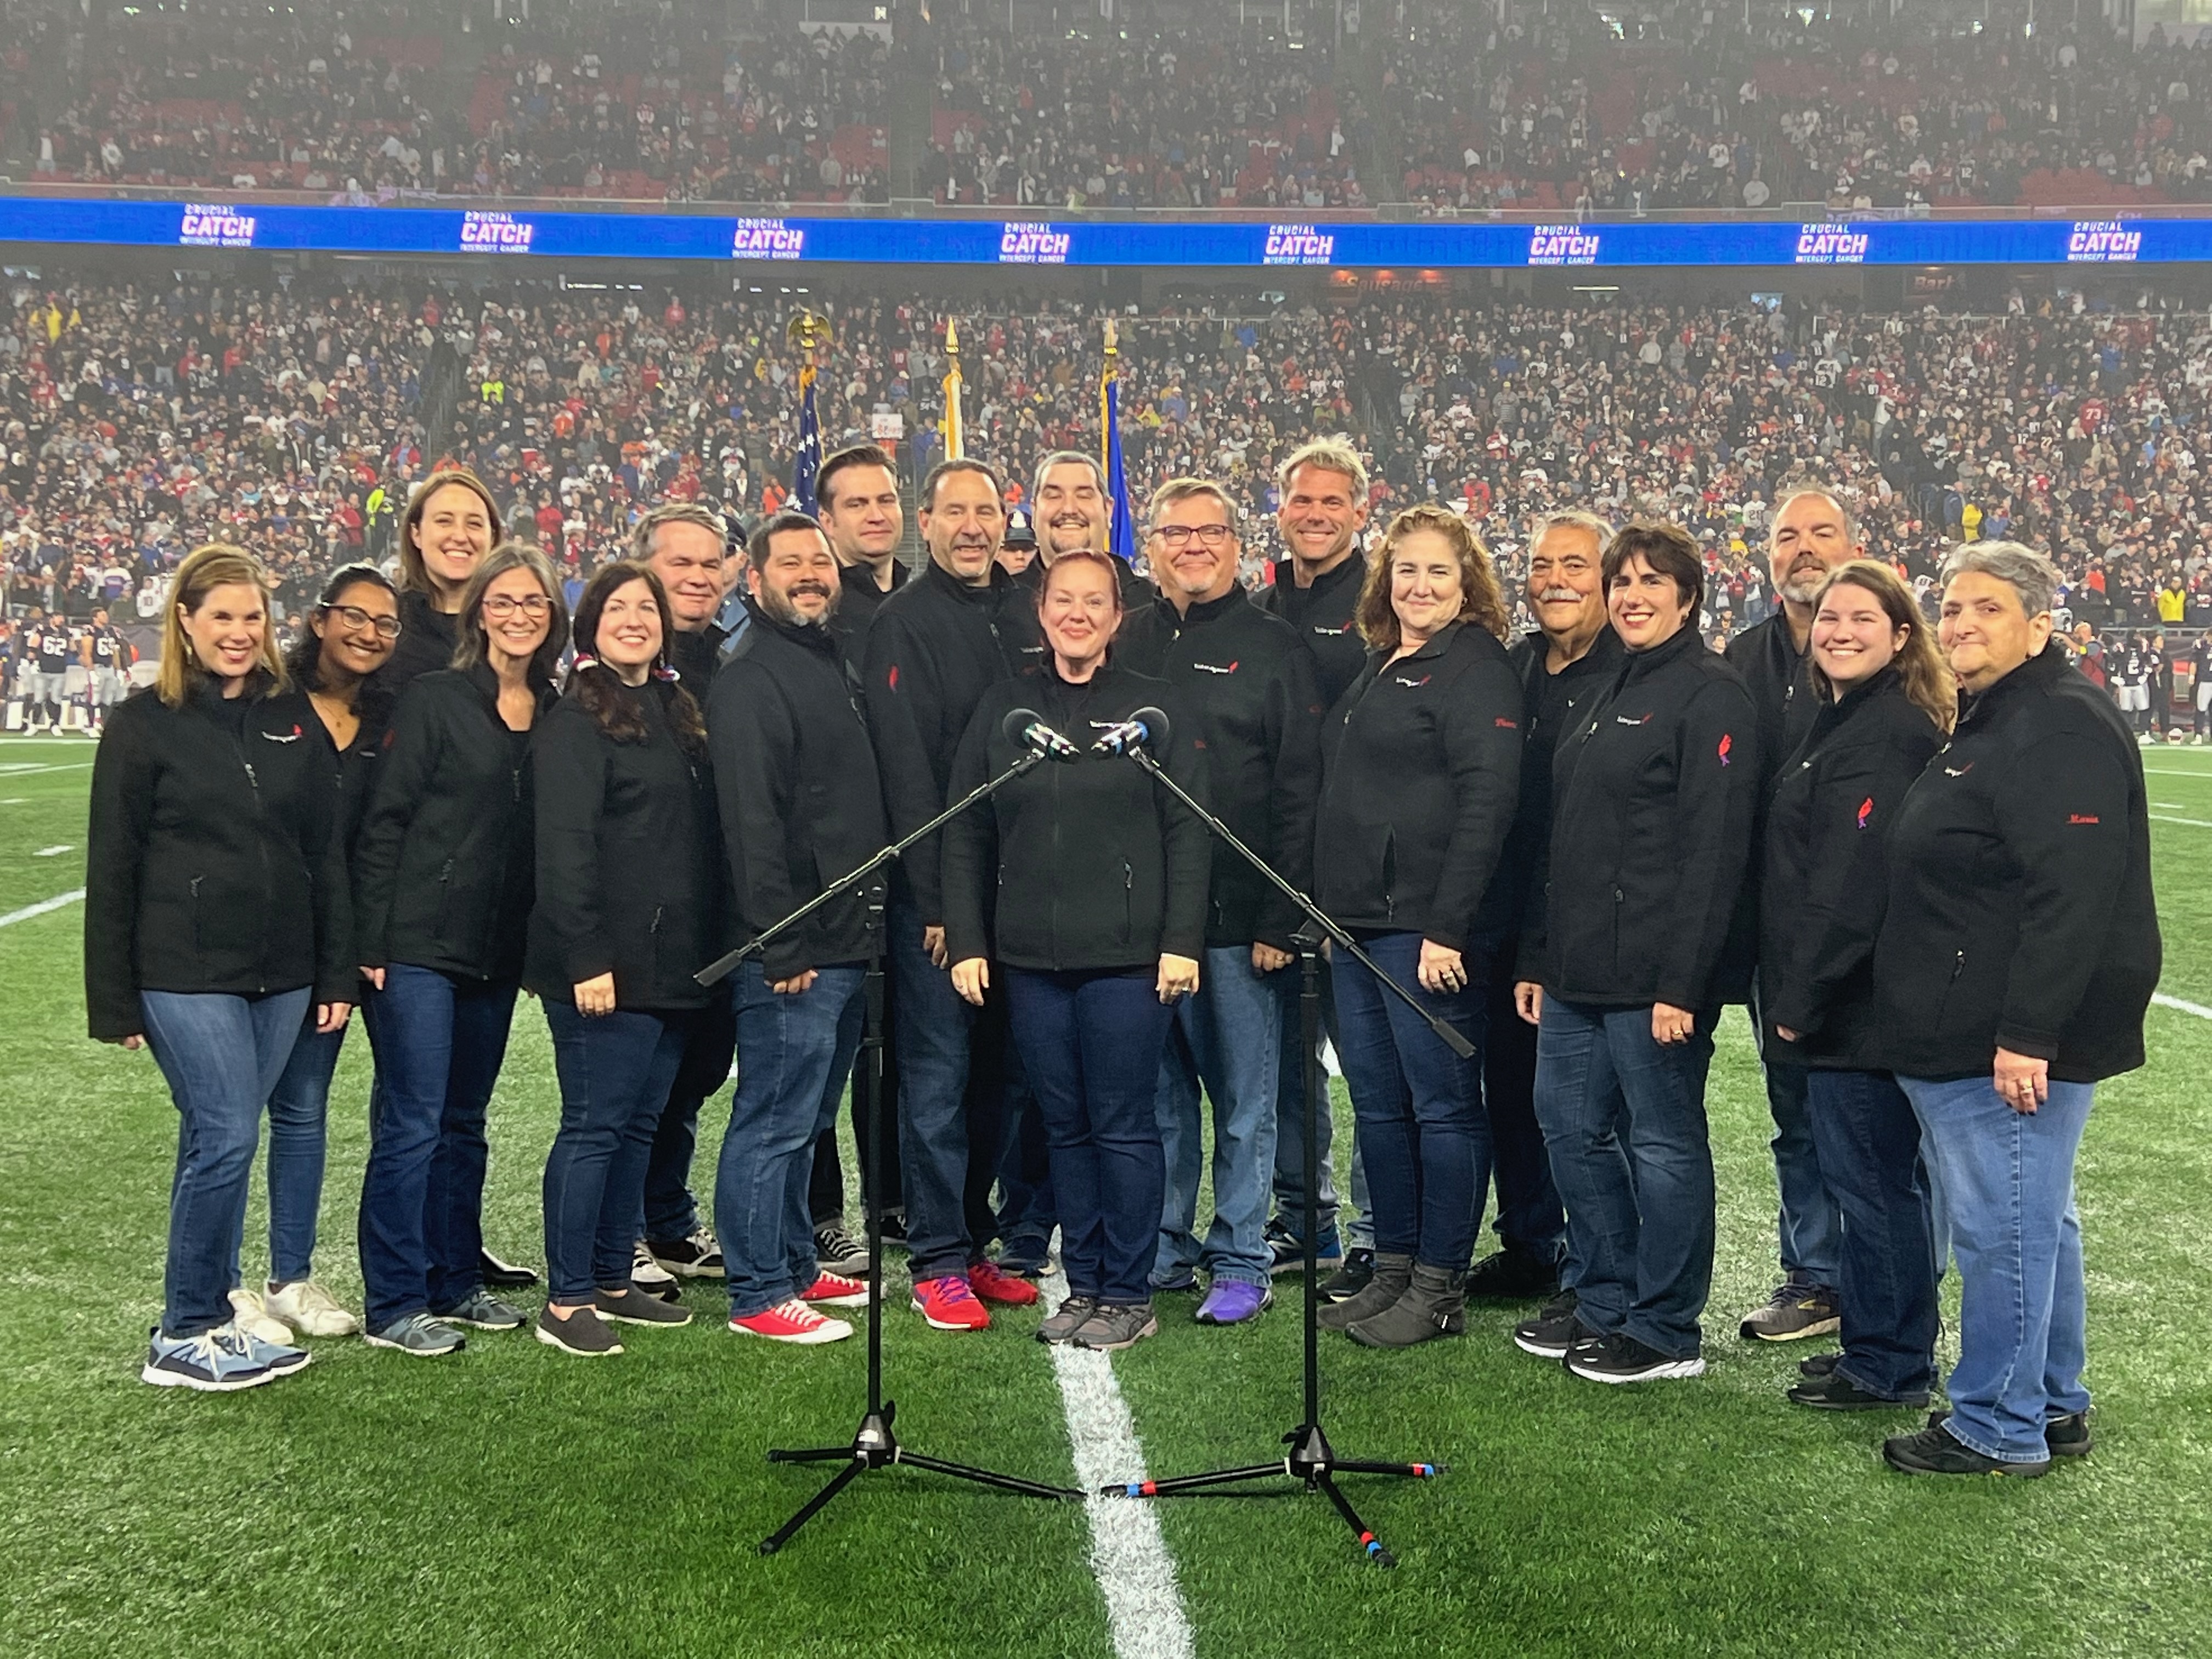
column 933, row 650
column 1825, row 878
column 1085, row 864
column 1323, row 616
column 630, row 858
column 2020, row 913
column 1421, row 763
column 213, row 861
column 1651, row 818
column 801, row 805
column 1250, row 681
column 1549, row 705
column 443, row 872
column 426, row 643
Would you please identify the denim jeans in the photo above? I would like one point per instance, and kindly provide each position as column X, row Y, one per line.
column 1870, row 1145
column 1624, row 1118
column 795, row 1058
column 825, row 1187
column 1290, row 1182
column 439, row 1043
column 1418, row 1106
column 670, row 1212
column 1530, row 1221
column 1091, row 1044
column 299, row 1112
column 1809, row 1223
column 1228, row 1037
column 932, row 1022
column 2008, row 1179
column 221, row 1056
column 1028, row 1211
column 997, row 1098
column 615, row 1070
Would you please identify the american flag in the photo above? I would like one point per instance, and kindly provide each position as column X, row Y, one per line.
column 808, row 461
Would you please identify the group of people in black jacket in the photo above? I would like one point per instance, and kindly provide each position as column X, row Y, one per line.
column 1923, row 861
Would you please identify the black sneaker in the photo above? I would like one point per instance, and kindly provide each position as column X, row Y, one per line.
column 1553, row 1330
column 1934, row 1450
column 837, row 1251
column 696, row 1255
column 894, row 1228
column 1621, row 1358
column 2065, row 1436
column 505, row 1275
column 583, row 1332
column 631, row 1306
column 1512, row 1275
column 1795, row 1310
column 1836, row 1392
column 1288, row 1252
column 1818, row 1364
column 1351, row 1277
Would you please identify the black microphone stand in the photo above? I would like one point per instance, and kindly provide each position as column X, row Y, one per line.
column 1311, row 1459
column 873, row 1445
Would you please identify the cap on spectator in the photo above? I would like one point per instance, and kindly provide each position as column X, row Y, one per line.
column 1020, row 531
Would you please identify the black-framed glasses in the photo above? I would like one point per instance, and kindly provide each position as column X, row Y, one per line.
column 501, row 606
column 1209, row 535
column 355, row 618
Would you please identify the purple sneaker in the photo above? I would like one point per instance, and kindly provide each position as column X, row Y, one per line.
column 1231, row 1301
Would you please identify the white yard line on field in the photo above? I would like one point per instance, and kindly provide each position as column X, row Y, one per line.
column 2194, row 824
column 29, row 769
column 42, row 907
column 2195, row 1008
column 54, row 851
column 1144, row 1608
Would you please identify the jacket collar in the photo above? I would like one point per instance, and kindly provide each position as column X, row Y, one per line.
column 1641, row 663
column 2035, row 674
column 1437, row 644
column 1352, row 567
column 857, row 578
column 991, row 594
column 485, row 679
column 806, row 636
column 1201, row 611
column 1866, row 691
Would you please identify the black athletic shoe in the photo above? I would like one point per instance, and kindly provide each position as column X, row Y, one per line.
column 505, row 1275
column 1934, row 1451
column 1553, row 1330
column 1512, row 1275
column 1836, row 1392
column 2065, row 1436
column 582, row 1333
column 631, row 1306
column 1818, row 1364
column 1350, row 1279
column 1621, row 1358
column 894, row 1228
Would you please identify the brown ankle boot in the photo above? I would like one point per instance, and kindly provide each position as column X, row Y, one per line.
column 1434, row 1305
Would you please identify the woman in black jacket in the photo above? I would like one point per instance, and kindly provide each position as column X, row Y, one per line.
column 1886, row 701
column 217, row 924
column 1626, row 963
column 450, row 524
column 2018, row 953
column 1421, row 767
column 1086, row 882
column 443, row 878
column 627, row 904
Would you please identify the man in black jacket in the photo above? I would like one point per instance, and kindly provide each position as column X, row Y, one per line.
column 796, row 777
column 1810, row 534
column 935, row 647
column 1321, row 509
column 1251, row 681
column 1071, row 509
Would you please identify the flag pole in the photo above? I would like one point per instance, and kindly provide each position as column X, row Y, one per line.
column 956, row 437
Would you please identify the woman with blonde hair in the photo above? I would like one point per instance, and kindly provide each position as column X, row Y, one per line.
column 216, row 916
column 1886, row 702
column 1421, row 767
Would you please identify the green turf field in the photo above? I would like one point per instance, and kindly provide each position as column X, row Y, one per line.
column 511, row 1501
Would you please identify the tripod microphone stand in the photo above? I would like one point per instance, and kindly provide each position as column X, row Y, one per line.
column 1311, row 1459
column 873, row 1445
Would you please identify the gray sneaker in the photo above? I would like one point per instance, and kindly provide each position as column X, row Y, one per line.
column 631, row 1306
column 481, row 1309
column 1116, row 1326
column 583, row 1332
column 1068, row 1319
column 419, row 1334
column 1795, row 1311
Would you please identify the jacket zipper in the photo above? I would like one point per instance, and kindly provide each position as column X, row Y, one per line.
column 261, row 843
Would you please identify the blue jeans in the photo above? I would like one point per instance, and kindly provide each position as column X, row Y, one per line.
column 932, row 1023
column 1027, row 1210
column 1870, row 1145
column 2008, row 1179
column 1624, row 1118
column 1417, row 1104
column 220, row 1055
column 1229, row 1037
column 439, row 1043
column 1091, row 1044
column 299, row 1112
column 615, row 1071
column 1530, row 1221
column 669, row 1211
column 794, row 1057
column 1290, row 1180
column 1809, row 1223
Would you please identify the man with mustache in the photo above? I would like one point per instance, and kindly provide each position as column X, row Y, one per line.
column 934, row 649
column 1811, row 532
column 1071, row 508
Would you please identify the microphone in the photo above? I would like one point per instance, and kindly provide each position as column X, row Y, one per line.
column 1025, row 728
column 1148, row 728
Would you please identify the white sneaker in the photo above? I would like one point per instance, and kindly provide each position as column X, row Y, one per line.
column 256, row 1320
column 310, row 1309
column 647, row 1274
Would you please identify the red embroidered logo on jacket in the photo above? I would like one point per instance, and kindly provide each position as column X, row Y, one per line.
column 892, row 678
column 1866, row 810
column 1727, row 744
column 1505, row 725
column 2082, row 817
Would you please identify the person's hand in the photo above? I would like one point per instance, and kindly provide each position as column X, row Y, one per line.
column 971, row 977
column 1178, row 976
column 1670, row 1024
column 1441, row 971
column 134, row 1043
column 933, row 940
column 795, row 984
column 1528, row 1000
column 596, row 995
column 2021, row 1082
column 332, row 1017
column 374, row 977
column 1266, row 958
column 1785, row 1034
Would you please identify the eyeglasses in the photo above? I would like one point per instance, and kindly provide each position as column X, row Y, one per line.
column 357, row 618
column 1209, row 535
column 499, row 607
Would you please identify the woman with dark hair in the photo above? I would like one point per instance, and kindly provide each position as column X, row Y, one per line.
column 1626, row 963
column 1886, row 701
column 450, row 524
column 1087, row 883
column 443, row 879
column 1421, row 769
column 216, row 925
column 629, row 906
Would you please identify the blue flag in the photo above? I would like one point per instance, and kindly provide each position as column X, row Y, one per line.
column 1124, row 545
column 808, row 461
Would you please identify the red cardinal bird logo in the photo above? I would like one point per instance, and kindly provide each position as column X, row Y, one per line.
column 1866, row 810
column 1727, row 744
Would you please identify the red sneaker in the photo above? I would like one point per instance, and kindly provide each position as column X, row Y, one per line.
column 792, row 1322
column 994, row 1283
column 947, row 1304
column 836, row 1291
